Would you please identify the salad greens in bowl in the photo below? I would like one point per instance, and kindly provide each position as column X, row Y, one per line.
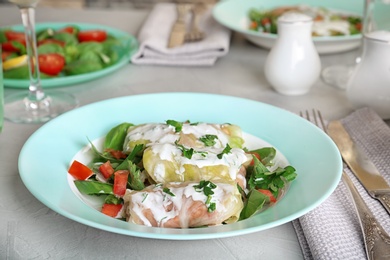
column 68, row 53
column 336, row 26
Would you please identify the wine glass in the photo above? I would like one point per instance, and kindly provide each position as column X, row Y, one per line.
column 36, row 106
column 339, row 75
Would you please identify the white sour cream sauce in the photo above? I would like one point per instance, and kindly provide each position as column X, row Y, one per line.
column 162, row 139
column 157, row 201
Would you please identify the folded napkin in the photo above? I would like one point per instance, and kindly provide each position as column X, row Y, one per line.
column 154, row 36
column 332, row 231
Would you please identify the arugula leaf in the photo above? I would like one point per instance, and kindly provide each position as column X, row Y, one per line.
column 177, row 125
column 134, row 180
column 262, row 178
column 116, row 137
column 94, row 187
column 226, row 150
column 112, row 199
column 267, row 155
column 253, row 204
column 208, row 140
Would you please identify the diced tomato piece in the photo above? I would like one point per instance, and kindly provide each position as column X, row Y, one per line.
column 359, row 26
column 257, row 156
column 51, row 63
column 120, row 182
column 117, row 154
column 269, row 194
column 106, row 169
column 80, row 171
column 45, row 41
column 111, row 210
column 15, row 36
column 92, row 35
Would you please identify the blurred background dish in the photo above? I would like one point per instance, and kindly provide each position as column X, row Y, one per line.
column 234, row 15
column 128, row 42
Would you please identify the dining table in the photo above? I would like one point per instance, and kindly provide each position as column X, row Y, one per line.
column 31, row 230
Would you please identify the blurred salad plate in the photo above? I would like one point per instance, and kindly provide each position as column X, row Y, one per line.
column 336, row 23
column 69, row 53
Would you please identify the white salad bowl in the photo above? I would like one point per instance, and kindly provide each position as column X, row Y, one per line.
column 233, row 14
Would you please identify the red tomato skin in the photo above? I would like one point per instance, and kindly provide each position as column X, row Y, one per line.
column 15, row 36
column 61, row 43
column 257, row 156
column 106, row 169
column 51, row 64
column 111, row 210
column 120, row 182
column 5, row 54
column 80, row 171
column 9, row 47
column 269, row 194
column 68, row 29
column 117, row 154
column 92, row 35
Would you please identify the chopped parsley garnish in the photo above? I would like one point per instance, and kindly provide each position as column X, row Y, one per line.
column 207, row 188
column 145, row 196
column 168, row 191
column 226, row 150
column 208, row 140
column 189, row 152
column 177, row 125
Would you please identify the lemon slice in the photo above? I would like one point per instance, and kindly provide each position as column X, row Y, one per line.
column 15, row 62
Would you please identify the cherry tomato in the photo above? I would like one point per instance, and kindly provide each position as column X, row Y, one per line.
column 5, row 55
column 51, row 63
column 61, row 43
column 10, row 47
column 15, row 36
column 67, row 30
column 92, row 35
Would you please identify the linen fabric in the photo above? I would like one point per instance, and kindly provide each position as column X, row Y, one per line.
column 332, row 230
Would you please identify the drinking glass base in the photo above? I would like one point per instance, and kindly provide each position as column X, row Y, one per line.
column 337, row 75
column 18, row 108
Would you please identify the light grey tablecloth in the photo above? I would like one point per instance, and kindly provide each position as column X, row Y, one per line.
column 332, row 231
column 154, row 36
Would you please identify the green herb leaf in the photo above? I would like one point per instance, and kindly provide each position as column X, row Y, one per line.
column 267, row 155
column 226, row 150
column 208, row 140
column 112, row 199
column 255, row 202
column 168, row 191
column 94, row 187
column 177, row 125
column 116, row 137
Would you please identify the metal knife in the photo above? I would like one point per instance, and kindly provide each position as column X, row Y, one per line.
column 360, row 164
column 179, row 30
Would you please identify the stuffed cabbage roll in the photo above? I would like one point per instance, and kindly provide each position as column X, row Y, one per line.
column 191, row 153
column 183, row 205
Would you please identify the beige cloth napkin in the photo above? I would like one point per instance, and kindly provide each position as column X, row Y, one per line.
column 332, row 231
column 154, row 36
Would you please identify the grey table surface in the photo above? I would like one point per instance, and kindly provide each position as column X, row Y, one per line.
column 30, row 230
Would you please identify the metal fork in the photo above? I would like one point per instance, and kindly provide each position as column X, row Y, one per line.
column 376, row 240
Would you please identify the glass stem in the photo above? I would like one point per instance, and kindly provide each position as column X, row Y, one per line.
column 35, row 90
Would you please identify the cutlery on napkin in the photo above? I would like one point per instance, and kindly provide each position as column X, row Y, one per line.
column 154, row 37
column 332, row 231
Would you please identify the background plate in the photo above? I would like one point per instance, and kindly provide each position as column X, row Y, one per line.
column 47, row 154
column 234, row 15
column 70, row 80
